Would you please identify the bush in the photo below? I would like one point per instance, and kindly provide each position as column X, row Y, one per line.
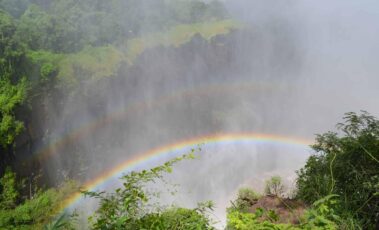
column 274, row 186
column 175, row 219
column 129, row 208
column 346, row 164
column 33, row 213
column 245, row 199
column 321, row 216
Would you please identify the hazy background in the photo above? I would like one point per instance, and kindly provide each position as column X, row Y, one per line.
column 296, row 67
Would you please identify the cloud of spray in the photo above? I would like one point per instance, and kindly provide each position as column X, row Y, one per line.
column 338, row 49
column 294, row 70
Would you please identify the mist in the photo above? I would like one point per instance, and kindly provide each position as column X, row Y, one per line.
column 293, row 70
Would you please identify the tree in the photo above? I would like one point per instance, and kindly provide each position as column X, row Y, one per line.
column 15, row 7
column 11, row 96
column 20, row 212
column 36, row 28
column 13, row 87
column 274, row 186
column 128, row 207
column 11, row 52
column 346, row 164
column 8, row 190
column 246, row 198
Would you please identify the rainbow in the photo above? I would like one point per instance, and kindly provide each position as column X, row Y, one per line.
column 74, row 135
column 179, row 148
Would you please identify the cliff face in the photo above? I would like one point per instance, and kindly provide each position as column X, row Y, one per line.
column 168, row 93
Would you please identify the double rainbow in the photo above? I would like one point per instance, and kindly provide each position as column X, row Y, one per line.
column 175, row 149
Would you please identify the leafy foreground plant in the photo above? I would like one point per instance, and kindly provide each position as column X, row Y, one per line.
column 129, row 207
column 320, row 216
column 274, row 186
column 17, row 212
column 62, row 222
column 245, row 199
column 346, row 164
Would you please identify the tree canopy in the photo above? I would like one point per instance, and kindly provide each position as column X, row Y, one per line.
column 346, row 164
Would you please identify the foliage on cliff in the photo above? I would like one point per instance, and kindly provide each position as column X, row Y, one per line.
column 340, row 182
column 49, row 48
column 33, row 211
column 346, row 164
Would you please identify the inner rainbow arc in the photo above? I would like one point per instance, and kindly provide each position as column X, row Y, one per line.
column 174, row 149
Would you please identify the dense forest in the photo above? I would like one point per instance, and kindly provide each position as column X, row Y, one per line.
column 55, row 51
column 50, row 50
column 45, row 44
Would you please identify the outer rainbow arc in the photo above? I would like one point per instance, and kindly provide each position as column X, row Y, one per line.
column 47, row 151
column 167, row 149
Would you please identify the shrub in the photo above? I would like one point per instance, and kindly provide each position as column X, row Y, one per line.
column 33, row 213
column 128, row 207
column 274, row 186
column 346, row 164
column 175, row 219
column 321, row 216
column 245, row 199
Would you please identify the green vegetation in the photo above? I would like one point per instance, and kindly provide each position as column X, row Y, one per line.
column 347, row 165
column 69, row 26
column 177, row 36
column 253, row 211
column 274, row 186
column 339, row 182
column 12, row 95
column 246, row 197
column 62, row 222
column 129, row 207
column 94, row 63
column 340, row 206
column 50, row 48
column 320, row 216
column 13, row 85
column 34, row 211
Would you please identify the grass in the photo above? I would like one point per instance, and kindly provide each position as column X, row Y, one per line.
column 93, row 63
column 177, row 36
